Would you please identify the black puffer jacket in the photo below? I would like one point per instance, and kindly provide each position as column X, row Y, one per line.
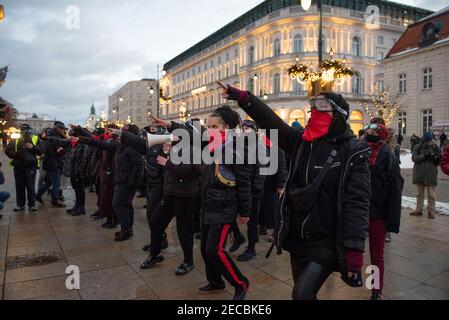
column 277, row 180
column 339, row 219
column 53, row 160
column 222, row 203
column 386, row 189
column 154, row 172
column 182, row 180
column 77, row 158
column 128, row 163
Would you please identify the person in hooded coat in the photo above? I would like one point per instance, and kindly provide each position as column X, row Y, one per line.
column 386, row 197
column 324, row 210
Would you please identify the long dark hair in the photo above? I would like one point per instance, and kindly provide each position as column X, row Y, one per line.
column 229, row 116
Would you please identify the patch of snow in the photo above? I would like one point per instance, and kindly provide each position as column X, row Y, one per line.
column 406, row 160
column 410, row 203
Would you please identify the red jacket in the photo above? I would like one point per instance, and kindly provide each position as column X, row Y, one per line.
column 445, row 161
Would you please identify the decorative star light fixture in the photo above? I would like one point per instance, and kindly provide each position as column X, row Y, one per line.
column 332, row 71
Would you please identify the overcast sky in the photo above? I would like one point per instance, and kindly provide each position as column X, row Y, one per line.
column 59, row 71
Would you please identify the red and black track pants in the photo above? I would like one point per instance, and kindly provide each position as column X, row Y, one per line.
column 218, row 262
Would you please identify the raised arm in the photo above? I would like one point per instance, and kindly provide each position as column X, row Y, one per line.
column 134, row 142
column 263, row 115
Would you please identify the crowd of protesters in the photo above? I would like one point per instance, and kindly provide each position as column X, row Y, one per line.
column 331, row 191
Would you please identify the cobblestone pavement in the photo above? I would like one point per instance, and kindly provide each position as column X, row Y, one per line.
column 417, row 261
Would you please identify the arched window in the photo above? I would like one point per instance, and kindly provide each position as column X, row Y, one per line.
column 276, row 83
column 277, row 48
column 356, row 84
column 297, row 115
column 251, row 55
column 356, row 46
column 356, row 121
column 251, row 85
column 297, row 43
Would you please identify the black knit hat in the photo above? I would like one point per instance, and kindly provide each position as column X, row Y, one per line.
column 132, row 128
column 338, row 100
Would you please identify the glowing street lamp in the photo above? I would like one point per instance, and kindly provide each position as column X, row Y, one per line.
column 305, row 4
column 2, row 13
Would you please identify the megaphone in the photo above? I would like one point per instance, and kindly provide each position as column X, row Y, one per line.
column 154, row 140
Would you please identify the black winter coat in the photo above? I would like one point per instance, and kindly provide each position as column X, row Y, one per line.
column 277, row 181
column 128, row 163
column 221, row 203
column 77, row 158
column 154, row 172
column 182, row 180
column 386, row 189
column 53, row 160
column 339, row 218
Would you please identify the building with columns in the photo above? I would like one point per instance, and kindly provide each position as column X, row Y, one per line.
column 133, row 102
column 254, row 52
column 418, row 68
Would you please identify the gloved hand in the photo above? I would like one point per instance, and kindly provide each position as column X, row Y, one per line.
column 354, row 260
column 354, row 264
column 232, row 93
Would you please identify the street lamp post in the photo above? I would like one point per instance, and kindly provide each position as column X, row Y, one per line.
column 262, row 92
column 151, row 90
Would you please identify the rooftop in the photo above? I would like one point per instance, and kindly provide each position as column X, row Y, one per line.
column 267, row 7
column 431, row 30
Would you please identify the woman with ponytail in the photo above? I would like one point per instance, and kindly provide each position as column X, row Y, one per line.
column 226, row 195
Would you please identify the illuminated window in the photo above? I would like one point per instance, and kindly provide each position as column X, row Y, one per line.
column 299, row 115
column 356, row 121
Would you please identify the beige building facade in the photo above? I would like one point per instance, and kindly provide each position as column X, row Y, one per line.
column 418, row 68
column 255, row 51
column 133, row 102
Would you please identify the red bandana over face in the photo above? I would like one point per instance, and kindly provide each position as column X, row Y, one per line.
column 376, row 146
column 216, row 139
column 318, row 126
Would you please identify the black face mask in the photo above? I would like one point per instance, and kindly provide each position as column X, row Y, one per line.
column 372, row 139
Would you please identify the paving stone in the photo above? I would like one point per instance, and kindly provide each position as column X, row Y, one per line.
column 423, row 292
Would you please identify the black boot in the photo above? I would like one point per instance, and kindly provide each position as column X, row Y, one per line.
column 57, row 204
column 123, row 235
column 209, row 288
column 109, row 224
column 240, row 293
column 147, row 247
column 70, row 211
column 184, row 268
column 19, row 209
column 151, row 262
column 39, row 199
column 78, row 212
column 247, row 255
column 376, row 296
